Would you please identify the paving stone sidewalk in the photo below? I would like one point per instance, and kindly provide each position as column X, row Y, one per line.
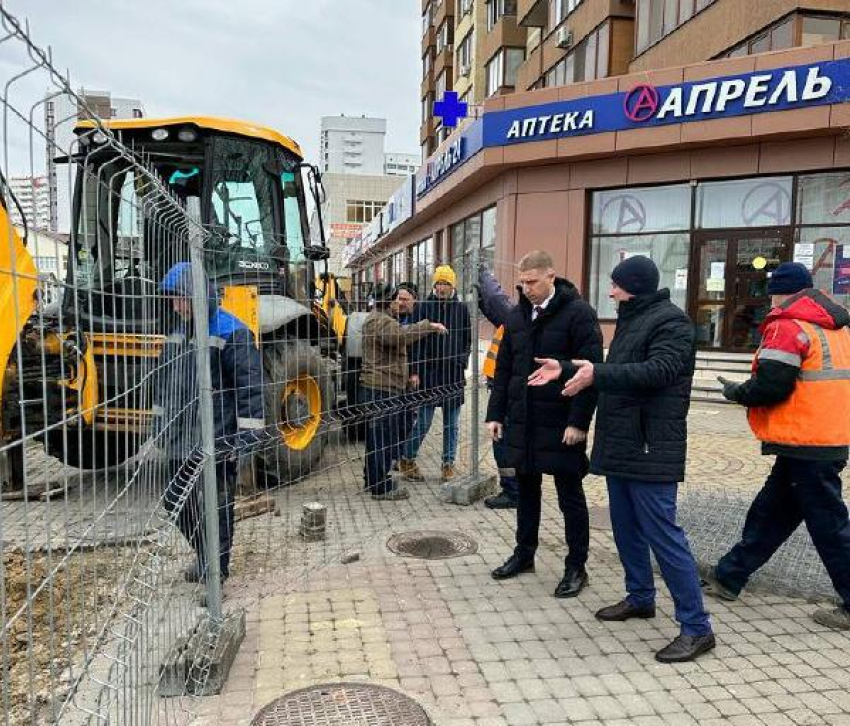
column 474, row 651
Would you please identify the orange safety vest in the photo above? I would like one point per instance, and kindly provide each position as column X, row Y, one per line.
column 815, row 414
column 489, row 368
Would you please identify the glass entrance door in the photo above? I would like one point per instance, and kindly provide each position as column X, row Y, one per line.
column 729, row 297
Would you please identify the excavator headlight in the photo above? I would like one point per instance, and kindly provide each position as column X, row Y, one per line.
column 159, row 134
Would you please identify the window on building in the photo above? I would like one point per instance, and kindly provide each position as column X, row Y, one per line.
column 445, row 35
column 559, row 10
column 427, row 63
column 502, row 69
column 464, row 54
column 443, row 84
column 476, row 231
column 362, row 212
column 587, row 61
column 817, row 29
column 464, row 7
column 427, row 106
column 427, row 18
column 398, row 268
column 422, row 265
column 496, row 9
column 778, row 36
column 658, row 18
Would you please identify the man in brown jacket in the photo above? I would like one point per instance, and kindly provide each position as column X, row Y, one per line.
column 384, row 381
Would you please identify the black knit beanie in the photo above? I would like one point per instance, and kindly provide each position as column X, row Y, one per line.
column 637, row 275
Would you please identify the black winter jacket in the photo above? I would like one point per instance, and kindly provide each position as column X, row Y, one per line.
column 566, row 329
column 440, row 360
column 644, row 392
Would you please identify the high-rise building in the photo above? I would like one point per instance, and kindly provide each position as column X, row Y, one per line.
column 352, row 145
column 32, row 193
column 708, row 135
column 61, row 114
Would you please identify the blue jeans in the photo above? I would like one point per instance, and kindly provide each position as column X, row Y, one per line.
column 795, row 491
column 425, row 416
column 386, row 430
column 643, row 515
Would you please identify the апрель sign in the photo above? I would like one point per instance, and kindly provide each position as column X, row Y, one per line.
column 645, row 105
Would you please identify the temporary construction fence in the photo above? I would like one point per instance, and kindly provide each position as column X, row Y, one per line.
column 191, row 384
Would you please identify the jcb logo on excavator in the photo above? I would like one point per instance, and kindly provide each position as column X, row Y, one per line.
column 251, row 265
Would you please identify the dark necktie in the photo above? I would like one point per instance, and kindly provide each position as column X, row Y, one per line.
column 537, row 310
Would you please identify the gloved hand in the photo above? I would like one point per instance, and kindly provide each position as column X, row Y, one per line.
column 730, row 389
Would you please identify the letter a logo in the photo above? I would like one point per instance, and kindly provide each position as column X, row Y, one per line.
column 641, row 103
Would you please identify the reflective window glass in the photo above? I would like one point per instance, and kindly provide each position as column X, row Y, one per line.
column 640, row 210
column 763, row 202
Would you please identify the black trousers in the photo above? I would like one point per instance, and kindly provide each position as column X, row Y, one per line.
column 573, row 506
column 795, row 491
column 184, row 500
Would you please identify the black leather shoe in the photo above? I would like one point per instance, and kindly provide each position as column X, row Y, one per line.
column 513, row 567
column 572, row 583
column 624, row 610
column 500, row 501
column 686, row 648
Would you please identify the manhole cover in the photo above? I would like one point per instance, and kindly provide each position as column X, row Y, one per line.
column 432, row 545
column 343, row 704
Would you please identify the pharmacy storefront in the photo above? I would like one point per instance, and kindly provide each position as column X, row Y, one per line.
column 718, row 172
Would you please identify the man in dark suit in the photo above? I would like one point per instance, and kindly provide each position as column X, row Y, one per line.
column 547, row 433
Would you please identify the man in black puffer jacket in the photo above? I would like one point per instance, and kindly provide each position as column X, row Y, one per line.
column 547, row 433
column 640, row 444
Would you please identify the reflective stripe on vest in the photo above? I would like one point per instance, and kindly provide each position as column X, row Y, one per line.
column 489, row 367
column 808, row 416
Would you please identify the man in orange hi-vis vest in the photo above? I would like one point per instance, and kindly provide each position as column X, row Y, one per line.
column 495, row 305
column 798, row 399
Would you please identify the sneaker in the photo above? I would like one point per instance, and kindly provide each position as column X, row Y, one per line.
column 449, row 472
column 393, row 495
column 500, row 501
column 837, row 619
column 410, row 470
column 686, row 648
column 716, row 589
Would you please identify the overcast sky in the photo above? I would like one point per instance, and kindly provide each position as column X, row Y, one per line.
column 283, row 63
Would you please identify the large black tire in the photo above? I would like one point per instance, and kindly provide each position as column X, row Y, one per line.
column 298, row 443
column 90, row 450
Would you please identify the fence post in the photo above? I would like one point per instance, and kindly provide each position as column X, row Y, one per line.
column 200, row 307
column 475, row 463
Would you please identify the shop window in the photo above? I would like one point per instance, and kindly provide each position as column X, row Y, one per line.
column 824, row 199
column 476, row 231
column 641, row 210
column 761, row 202
column 422, row 265
column 826, row 252
column 670, row 252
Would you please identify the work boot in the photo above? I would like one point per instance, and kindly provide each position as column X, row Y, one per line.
column 393, row 495
column 449, row 472
column 716, row 589
column 500, row 501
column 410, row 470
column 837, row 619
column 685, row 648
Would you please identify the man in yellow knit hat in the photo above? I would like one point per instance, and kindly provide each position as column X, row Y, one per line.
column 441, row 366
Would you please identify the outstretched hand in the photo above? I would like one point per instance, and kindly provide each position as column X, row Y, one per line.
column 582, row 379
column 550, row 370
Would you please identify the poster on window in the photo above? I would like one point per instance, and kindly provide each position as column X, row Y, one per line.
column 841, row 273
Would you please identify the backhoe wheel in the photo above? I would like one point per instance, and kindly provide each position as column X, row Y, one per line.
column 299, row 396
column 88, row 449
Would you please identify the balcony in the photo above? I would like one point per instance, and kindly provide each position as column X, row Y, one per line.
column 532, row 13
column 505, row 34
column 427, row 85
column 427, row 130
column 428, row 39
column 444, row 60
column 530, row 71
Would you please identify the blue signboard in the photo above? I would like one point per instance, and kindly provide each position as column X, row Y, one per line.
column 644, row 105
column 777, row 89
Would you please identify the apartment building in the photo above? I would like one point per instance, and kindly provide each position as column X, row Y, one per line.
column 710, row 135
